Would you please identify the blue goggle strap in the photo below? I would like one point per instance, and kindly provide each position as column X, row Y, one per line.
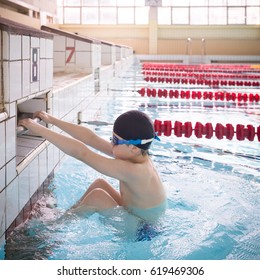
column 138, row 141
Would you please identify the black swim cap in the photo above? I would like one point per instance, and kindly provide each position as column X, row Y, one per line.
column 133, row 125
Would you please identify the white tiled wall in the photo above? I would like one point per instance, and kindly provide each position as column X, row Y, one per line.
column 10, row 133
column 72, row 55
column 106, row 74
column 26, row 85
column 2, row 178
column 118, row 53
column 59, row 61
column 66, row 98
column 118, row 68
column 17, row 84
column 17, row 54
column 82, row 60
column 59, row 43
column 49, row 74
column 10, row 171
column 106, row 54
column 25, row 47
column 6, row 45
column 42, row 164
column 15, row 47
column 12, row 201
column 2, row 146
column 34, row 176
column 23, row 188
column 2, row 212
column 96, row 56
column 113, row 54
column 10, row 109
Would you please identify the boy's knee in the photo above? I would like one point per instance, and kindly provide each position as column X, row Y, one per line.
column 98, row 192
column 99, row 199
column 100, row 181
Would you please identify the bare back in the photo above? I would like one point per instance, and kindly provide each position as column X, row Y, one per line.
column 145, row 190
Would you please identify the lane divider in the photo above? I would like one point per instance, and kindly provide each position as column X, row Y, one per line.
column 240, row 132
column 205, row 82
column 192, row 94
column 199, row 75
column 221, row 68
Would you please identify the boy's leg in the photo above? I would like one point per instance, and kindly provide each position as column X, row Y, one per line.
column 96, row 200
column 99, row 196
column 104, row 185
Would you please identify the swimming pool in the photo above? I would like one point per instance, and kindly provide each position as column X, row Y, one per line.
column 213, row 190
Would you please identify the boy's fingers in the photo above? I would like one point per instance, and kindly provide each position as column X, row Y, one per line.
column 37, row 114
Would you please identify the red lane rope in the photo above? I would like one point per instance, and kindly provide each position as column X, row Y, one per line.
column 199, row 75
column 192, row 94
column 179, row 129
column 224, row 68
column 206, row 82
column 204, row 70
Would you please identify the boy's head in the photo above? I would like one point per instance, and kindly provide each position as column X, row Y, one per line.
column 134, row 125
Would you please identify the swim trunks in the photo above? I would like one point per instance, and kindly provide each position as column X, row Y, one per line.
column 149, row 215
column 146, row 231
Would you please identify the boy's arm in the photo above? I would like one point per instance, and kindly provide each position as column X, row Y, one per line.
column 81, row 133
column 111, row 167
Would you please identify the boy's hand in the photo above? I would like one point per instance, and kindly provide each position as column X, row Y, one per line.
column 31, row 125
column 47, row 118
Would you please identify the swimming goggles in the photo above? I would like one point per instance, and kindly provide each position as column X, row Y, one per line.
column 115, row 141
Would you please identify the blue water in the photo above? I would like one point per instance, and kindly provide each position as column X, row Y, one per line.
column 213, row 189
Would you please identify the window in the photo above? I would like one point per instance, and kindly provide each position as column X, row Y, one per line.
column 183, row 3
column 126, row 15
column 180, row 16
column 236, row 3
column 108, row 15
column 122, row 3
column 141, row 15
column 90, row 15
column 103, row 12
column 185, row 12
column 72, row 15
column 166, row 3
column 217, row 2
column 198, row 15
column 253, row 15
column 218, row 16
column 201, row 3
column 89, row 3
column 107, row 3
column 164, row 15
column 72, row 3
column 139, row 2
column 236, row 16
column 253, row 2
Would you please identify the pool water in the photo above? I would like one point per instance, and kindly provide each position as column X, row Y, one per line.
column 213, row 190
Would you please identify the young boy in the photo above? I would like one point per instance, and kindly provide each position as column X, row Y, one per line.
column 141, row 190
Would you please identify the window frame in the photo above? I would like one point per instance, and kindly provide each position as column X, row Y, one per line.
column 64, row 12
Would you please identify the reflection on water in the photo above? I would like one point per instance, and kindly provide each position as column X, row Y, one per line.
column 213, row 214
column 213, row 190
